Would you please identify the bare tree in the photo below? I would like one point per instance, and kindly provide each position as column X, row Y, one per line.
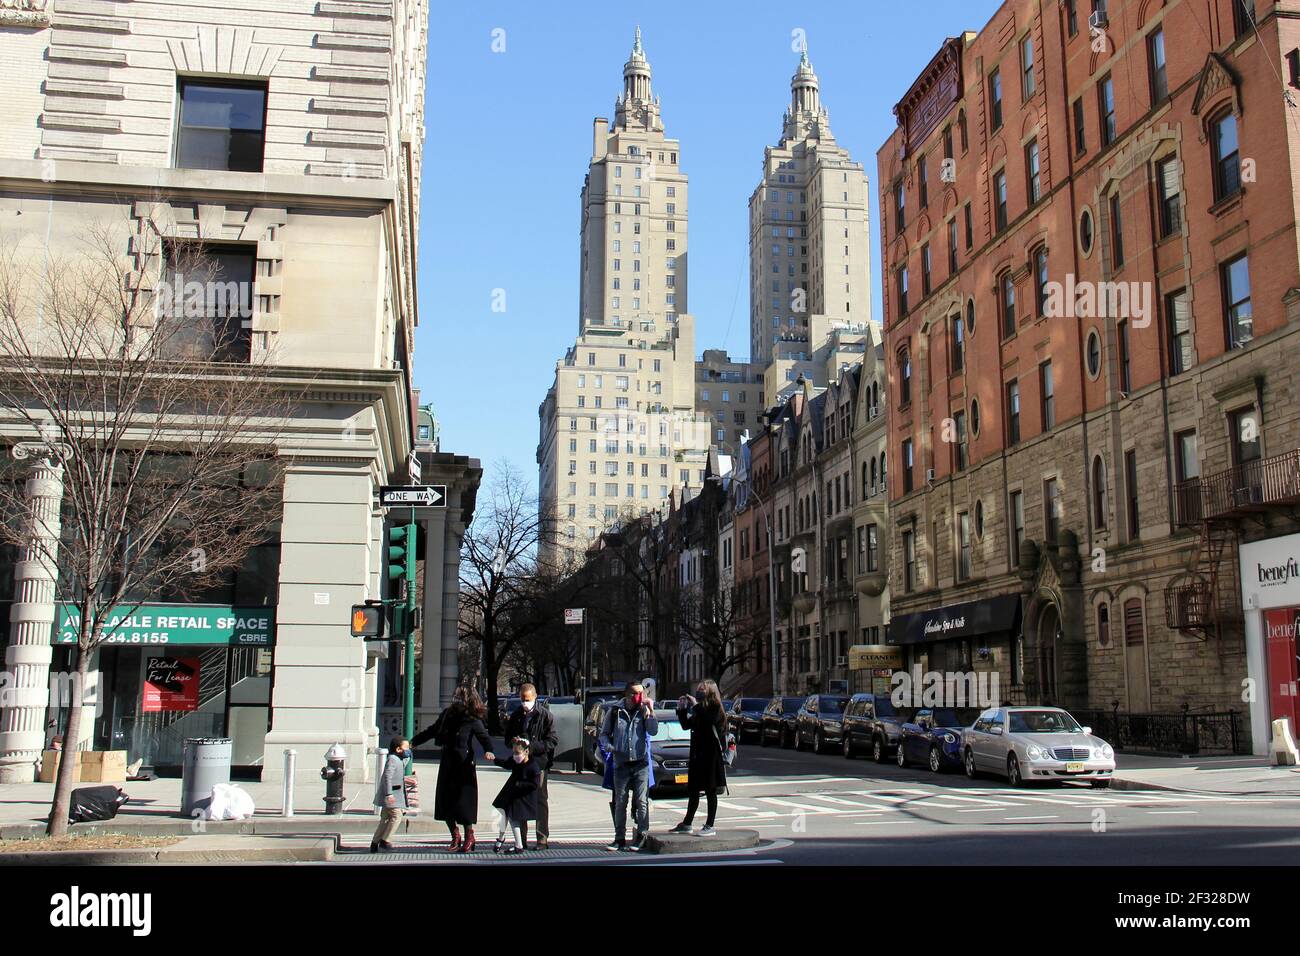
column 498, row 559
column 726, row 634
column 163, row 419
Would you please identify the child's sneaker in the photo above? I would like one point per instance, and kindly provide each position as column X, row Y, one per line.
column 513, row 850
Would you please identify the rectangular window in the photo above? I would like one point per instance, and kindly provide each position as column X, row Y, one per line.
column 1027, row 66
column 1013, row 413
column 1178, row 313
column 1049, row 395
column 219, row 329
column 970, row 229
column 1016, row 526
column 909, row 561
column 1245, row 436
column 873, row 549
column 1236, row 301
column 1171, row 204
column 961, row 449
column 1072, row 16
column 1116, row 232
column 923, row 181
column 1106, row 110
column 925, row 269
column 1051, row 509
column 1243, row 17
column 1007, row 304
column 957, row 335
column 952, row 247
column 900, row 207
column 1080, row 131
column 1121, row 334
column 963, row 547
column 1188, row 463
column 1156, row 65
column 222, row 125
column 907, row 465
column 1033, row 173
column 1131, row 491
column 995, row 100
column 1000, row 199
column 1227, row 163
column 901, row 283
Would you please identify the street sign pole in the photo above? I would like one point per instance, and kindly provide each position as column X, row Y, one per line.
column 408, row 702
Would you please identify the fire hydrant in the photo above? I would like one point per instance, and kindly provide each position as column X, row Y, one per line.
column 332, row 773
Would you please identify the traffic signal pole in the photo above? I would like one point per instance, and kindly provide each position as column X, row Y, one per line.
column 408, row 701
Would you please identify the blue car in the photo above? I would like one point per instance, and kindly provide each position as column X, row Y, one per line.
column 933, row 738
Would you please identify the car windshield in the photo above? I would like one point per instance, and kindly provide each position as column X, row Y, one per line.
column 945, row 717
column 1043, row 722
column 752, row 703
column 671, row 730
column 831, row 705
column 792, row 704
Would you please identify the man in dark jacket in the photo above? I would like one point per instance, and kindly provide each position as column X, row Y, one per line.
column 535, row 725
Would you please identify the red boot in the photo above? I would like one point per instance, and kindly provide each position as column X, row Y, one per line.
column 455, row 839
column 468, row 845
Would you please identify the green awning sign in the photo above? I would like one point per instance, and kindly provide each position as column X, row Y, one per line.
column 189, row 625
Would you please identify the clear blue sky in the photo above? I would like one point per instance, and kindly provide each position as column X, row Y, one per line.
column 723, row 79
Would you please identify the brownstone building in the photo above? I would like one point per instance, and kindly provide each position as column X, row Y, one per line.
column 1092, row 310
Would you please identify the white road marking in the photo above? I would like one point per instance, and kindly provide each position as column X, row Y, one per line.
column 1047, row 817
column 805, row 807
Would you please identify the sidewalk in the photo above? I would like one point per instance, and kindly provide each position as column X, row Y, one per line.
column 1223, row 775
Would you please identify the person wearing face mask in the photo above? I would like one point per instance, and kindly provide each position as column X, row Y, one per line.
column 534, row 724
column 455, row 800
column 625, row 737
column 517, row 800
column 704, row 717
column 390, row 795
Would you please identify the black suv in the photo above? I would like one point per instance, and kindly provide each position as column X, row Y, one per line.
column 820, row 722
column 873, row 724
column 777, row 725
column 746, row 717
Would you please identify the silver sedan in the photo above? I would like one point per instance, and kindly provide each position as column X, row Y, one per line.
column 1027, row 744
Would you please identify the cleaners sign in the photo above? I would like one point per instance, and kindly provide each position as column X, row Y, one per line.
column 190, row 625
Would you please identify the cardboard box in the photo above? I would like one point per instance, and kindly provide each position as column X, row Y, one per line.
column 103, row 766
column 50, row 760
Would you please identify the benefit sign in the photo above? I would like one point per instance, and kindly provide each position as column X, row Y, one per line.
column 171, row 683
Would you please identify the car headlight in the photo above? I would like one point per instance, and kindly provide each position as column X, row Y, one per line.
column 949, row 739
column 1107, row 752
column 1036, row 752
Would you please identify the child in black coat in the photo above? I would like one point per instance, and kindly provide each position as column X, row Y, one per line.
column 517, row 800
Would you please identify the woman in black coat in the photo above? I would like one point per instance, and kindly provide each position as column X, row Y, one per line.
column 455, row 800
column 707, row 722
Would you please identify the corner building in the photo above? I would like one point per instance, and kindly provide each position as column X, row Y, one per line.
column 1092, row 301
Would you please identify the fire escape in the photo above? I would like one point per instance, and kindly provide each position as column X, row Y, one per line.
column 1205, row 600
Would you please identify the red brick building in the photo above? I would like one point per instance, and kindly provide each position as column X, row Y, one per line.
column 1092, row 312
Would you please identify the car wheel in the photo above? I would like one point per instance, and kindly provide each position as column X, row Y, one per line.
column 1100, row 784
column 787, row 738
column 900, row 755
column 877, row 750
column 971, row 772
column 1013, row 771
column 848, row 746
column 936, row 760
column 819, row 742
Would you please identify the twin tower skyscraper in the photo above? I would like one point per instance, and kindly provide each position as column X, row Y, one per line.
column 631, row 414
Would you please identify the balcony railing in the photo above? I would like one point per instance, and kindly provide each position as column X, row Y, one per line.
column 1249, row 487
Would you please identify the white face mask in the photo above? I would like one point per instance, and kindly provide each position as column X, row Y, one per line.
column 528, row 705
column 519, row 758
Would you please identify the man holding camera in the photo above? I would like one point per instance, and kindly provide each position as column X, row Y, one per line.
column 625, row 738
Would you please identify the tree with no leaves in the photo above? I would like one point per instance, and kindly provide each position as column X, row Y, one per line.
column 162, row 416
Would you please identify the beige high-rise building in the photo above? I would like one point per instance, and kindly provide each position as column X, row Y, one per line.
column 618, row 428
column 730, row 395
column 809, row 248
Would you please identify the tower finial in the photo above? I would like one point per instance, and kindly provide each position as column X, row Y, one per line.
column 636, row 43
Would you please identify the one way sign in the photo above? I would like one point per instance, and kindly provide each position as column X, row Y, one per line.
column 415, row 496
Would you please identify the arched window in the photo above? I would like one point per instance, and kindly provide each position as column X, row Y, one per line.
column 904, row 377
column 873, row 475
column 1040, row 281
column 1007, row 304
column 1103, row 624
column 866, row 488
column 1099, row 508
column 882, row 471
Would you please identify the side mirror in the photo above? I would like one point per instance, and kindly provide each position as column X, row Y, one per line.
column 996, row 730
column 1088, row 731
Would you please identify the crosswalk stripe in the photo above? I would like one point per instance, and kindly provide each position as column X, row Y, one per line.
column 807, row 808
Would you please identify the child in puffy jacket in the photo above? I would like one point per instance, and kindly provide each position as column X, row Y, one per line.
column 517, row 799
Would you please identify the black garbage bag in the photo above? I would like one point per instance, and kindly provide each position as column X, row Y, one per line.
column 89, row 804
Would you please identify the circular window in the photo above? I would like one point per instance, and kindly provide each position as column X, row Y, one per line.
column 979, row 519
column 970, row 317
column 975, row 416
column 1094, row 353
column 1085, row 231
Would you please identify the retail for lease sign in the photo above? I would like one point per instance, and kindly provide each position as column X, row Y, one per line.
column 171, row 683
column 190, row 625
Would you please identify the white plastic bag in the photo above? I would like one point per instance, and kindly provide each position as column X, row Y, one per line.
column 230, row 802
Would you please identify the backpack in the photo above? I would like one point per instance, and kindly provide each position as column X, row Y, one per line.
column 727, row 745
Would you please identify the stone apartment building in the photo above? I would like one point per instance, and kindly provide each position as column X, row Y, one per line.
column 1091, row 328
column 285, row 139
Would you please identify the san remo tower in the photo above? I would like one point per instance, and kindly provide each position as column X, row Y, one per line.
column 618, row 429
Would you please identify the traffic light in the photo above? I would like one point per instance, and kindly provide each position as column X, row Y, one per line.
column 368, row 621
column 401, row 549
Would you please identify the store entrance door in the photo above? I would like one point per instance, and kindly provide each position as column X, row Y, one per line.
column 1280, row 625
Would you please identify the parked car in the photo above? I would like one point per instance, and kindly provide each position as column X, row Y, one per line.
column 933, row 737
column 777, row 723
column 872, row 724
column 745, row 717
column 1034, row 744
column 820, row 722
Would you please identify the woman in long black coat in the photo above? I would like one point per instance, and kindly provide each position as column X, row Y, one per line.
column 455, row 801
column 707, row 773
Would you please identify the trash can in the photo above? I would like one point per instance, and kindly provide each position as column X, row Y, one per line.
column 205, row 762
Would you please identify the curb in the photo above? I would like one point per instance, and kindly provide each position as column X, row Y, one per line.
column 1119, row 783
column 322, row 851
column 669, row 843
column 306, row 826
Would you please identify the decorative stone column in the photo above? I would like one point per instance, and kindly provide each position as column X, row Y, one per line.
column 31, row 618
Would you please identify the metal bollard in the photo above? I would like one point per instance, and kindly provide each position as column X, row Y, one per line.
column 290, row 766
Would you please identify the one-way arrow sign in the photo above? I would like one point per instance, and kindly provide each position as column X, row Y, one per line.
column 415, row 496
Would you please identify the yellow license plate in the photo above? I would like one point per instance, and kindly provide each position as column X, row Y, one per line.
column 1074, row 768
column 681, row 778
